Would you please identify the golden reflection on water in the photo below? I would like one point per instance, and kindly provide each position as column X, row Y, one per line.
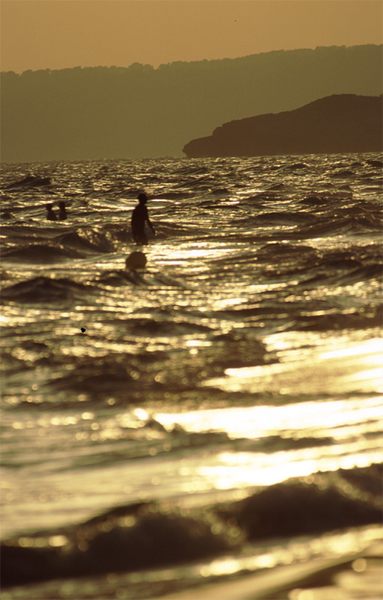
column 309, row 418
column 190, row 252
column 251, row 469
column 229, row 565
column 226, row 303
column 315, row 367
column 55, row 541
column 368, row 347
column 314, row 420
column 329, row 544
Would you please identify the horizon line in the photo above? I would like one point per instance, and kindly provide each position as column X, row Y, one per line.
column 152, row 67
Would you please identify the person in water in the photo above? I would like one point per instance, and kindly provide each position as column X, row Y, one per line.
column 136, row 260
column 62, row 210
column 51, row 215
column 140, row 216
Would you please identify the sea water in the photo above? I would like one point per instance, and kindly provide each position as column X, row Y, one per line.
column 215, row 413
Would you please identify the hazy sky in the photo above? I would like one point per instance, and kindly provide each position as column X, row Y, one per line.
column 39, row 34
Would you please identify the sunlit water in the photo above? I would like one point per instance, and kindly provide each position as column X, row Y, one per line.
column 247, row 354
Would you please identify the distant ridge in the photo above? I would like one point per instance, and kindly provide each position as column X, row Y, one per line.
column 139, row 111
column 339, row 123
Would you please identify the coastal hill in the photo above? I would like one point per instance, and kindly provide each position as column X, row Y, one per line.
column 339, row 123
column 139, row 111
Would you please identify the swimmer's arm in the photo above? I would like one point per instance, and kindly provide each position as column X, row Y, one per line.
column 150, row 224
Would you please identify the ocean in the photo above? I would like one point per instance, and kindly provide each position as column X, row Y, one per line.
column 213, row 418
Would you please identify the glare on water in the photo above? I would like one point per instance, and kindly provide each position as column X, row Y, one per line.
column 246, row 354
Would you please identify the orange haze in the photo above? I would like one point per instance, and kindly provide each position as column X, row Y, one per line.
column 54, row 34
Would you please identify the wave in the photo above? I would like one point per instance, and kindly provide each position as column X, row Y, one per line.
column 151, row 535
column 29, row 181
column 280, row 260
column 284, row 218
column 296, row 508
column 329, row 226
column 374, row 163
column 39, row 253
column 337, row 320
column 73, row 244
column 124, row 539
column 86, row 239
column 341, row 272
column 342, row 173
column 279, row 251
column 117, row 278
column 45, row 289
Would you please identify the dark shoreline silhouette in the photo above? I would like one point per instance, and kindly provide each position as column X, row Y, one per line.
column 336, row 124
column 139, row 112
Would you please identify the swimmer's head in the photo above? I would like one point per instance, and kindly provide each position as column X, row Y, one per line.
column 135, row 260
column 49, row 206
column 62, row 204
column 142, row 198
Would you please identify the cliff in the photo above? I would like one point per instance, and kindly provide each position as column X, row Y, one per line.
column 339, row 123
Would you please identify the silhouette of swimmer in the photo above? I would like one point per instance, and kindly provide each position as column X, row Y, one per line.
column 135, row 260
column 51, row 215
column 140, row 216
column 62, row 210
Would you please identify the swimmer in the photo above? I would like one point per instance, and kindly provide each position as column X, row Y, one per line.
column 140, row 216
column 51, row 215
column 135, row 260
column 62, row 210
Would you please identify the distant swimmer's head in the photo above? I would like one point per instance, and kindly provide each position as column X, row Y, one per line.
column 142, row 198
column 62, row 205
column 51, row 215
column 135, row 260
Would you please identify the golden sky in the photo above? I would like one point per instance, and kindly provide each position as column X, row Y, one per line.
column 54, row 34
